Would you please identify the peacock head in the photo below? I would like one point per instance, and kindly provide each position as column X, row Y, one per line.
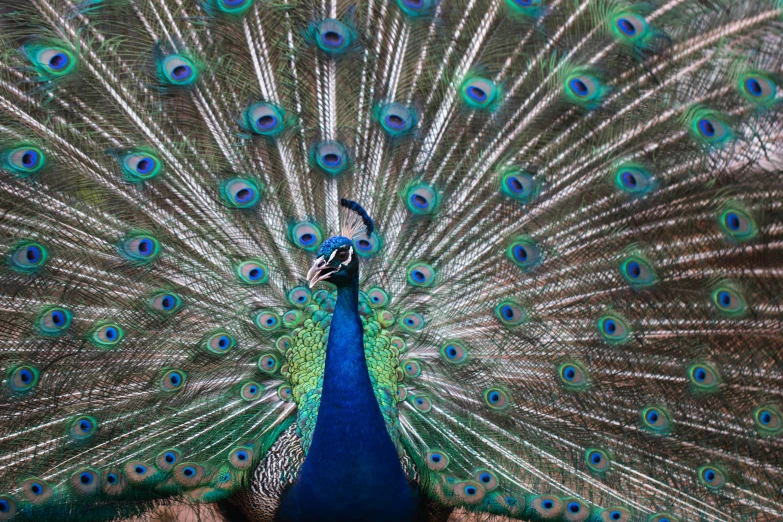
column 337, row 261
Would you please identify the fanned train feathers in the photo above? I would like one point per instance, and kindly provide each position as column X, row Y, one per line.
column 571, row 283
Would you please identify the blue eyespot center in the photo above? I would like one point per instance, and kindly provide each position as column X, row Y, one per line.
column 724, row 298
column 140, row 470
column 494, row 397
column 182, row 72
column 331, row 159
column 628, row 179
column 470, row 490
column 175, row 379
column 26, row 376
column 36, row 488
column 507, row 311
column 574, row 507
column 111, row 333
column 59, row 61
column 579, row 87
column 332, row 38
column 271, row 321
column 267, row 122
column 419, row 201
column 626, row 26
column 753, row 87
column 435, row 458
column 30, row 159
column 85, row 426
column 485, row 477
column 307, row 239
column 363, row 244
column 167, row 302
column 732, row 221
column 515, row 185
column 223, row 342
column 615, row 515
column 253, row 390
column 569, row 372
column 595, row 457
column 765, row 417
column 547, row 504
column 233, row 3
column 634, row 270
column 652, row 416
column 451, row 352
column 145, row 247
column 414, row 4
column 610, row 326
column 255, row 274
column 189, row 471
column 709, row 475
column 5, row 507
column 241, row 455
column 145, row 166
column 395, row 122
column 418, row 276
column 85, row 478
column 706, row 127
column 58, row 318
column 170, row 457
column 477, row 94
column 111, row 478
column 244, row 195
column 700, row 374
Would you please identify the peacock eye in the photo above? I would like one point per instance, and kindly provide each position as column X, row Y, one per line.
column 251, row 391
column 597, row 460
column 23, row 161
column 268, row 363
column 28, row 257
column 573, row 375
column 240, row 193
column 219, row 343
column 83, row 427
column 264, row 119
column 173, row 380
column 333, row 36
column 480, row 93
column 613, row 328
column 107, row 335
column 54, row 321
column 616, row 514
column 630, row 26
column 342, row 255
column 583, row 87
column 178, row 70
column 729, row 301
column 140, row 166
column 436, row 460
column 496, row 398
column 656, row 419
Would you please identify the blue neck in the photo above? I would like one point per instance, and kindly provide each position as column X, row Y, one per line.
column 352, row 471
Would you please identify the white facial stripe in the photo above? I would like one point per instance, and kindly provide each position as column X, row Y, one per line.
column 350, row 256
column 332, row 256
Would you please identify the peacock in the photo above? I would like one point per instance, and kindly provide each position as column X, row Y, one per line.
column 391, row 260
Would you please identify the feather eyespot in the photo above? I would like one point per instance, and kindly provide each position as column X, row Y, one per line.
column 300, row 296
column 139, row 165
column 703, row 377
column 240, row 193
column 399, row 344
column 83, row 427
column 496, row 398
column 663, row 517
column 518, row 185
column 107, row 335
column 480, row 93
column 454, row 352
column 486, row 478
column 8, row 508
column 165, row 303
column 737, row 224
column 629, row 27
column 712, row 477
column 469, row 492
column 177, row 70
column 54, row 321
column 634, row 180
column 332, row 36
column 422, row 199
column 524, row 253
column 264, row 119
column 252, row 272
column 436, row 460
column 140, row 248
column 173, row 380
column 377, row 297
column 396, row 119
column 585, row 90
column 267, row 320
column 421, row 275
column 729, row 301
column 547, row 507
column 656, row 419
column 367, row 246
column 268, row 363
column 616, row 514
column 613, row 328
column 421, row 403
column 28, row 257
column 167, row 459
column 23, row 161
column 251, row 391
column 283, row 343
column 411, row 368
column 36, row 491
column 241, row 458
column 757, row 88
column 597, row 460
column 306, row 236
column 573, row 375
column 23, row 378
column 575, row 510
column 638, row 272
column 219, row 343
column 412, row 322
column 50, row 61
column 768, row 420
column 509, row 313
column 285, row 393
column 707, row 126
column 189, row 474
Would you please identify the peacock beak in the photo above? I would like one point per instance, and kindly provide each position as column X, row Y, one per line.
column 319, row 271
